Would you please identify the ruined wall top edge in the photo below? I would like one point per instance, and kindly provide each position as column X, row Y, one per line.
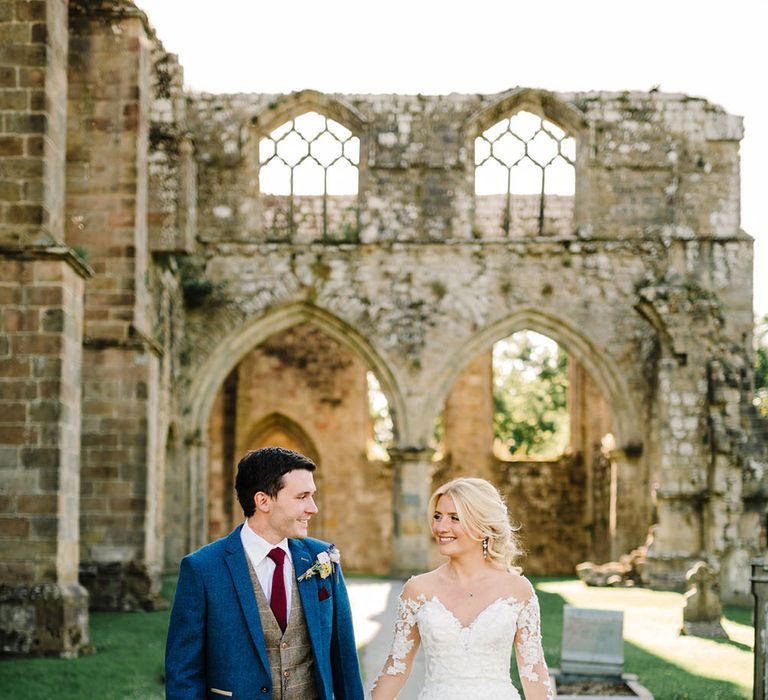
column 680, row 113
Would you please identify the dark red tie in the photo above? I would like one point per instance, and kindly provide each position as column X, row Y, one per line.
column 277, row 599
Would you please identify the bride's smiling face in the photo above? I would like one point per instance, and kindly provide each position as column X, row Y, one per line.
column 449, row 533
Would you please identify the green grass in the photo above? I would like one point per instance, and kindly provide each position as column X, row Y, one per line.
column 671, row 666
column 128, row 661
column 127, row 665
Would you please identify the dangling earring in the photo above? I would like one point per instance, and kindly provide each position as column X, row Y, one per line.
column 485, row 548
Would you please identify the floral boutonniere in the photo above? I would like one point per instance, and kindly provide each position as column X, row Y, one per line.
column 324, row 564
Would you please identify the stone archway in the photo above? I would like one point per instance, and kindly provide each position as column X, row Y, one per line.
column 598, row 363
column 561, row 499
column 280, row 393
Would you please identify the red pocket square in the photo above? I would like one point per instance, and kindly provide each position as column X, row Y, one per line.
column 323, row 594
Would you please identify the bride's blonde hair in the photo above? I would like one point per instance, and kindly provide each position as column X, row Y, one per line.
column 481, row 509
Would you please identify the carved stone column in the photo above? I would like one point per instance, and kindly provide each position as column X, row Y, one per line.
column 412, row 489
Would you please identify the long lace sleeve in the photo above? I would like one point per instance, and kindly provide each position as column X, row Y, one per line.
column 530, row 656
column 405, row 643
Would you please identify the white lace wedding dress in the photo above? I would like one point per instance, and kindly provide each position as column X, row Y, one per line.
column 464, row 662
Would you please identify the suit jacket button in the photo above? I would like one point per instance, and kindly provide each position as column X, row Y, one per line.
column 284, row 645
column 264, row 689
column 286, row 674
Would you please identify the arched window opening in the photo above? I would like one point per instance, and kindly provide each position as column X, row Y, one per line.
column 381, row 420
column 308, row 178
column 437, row 439
column 305, row 390
column 524, row 177
column 530, row 395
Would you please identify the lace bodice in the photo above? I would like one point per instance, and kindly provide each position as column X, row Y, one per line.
column 467, row 661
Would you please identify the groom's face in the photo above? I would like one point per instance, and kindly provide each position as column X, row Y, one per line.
column 294, row 505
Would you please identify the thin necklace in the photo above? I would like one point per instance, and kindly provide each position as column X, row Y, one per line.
column 464, row 588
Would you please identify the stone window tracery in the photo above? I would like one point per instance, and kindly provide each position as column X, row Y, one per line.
column 525, row 176
column 308, row 176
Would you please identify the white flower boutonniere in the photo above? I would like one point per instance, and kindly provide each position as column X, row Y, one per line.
column 324, row 564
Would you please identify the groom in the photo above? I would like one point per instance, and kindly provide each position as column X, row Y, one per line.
column 263, row 612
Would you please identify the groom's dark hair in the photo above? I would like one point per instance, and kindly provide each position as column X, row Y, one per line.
column 263, row 470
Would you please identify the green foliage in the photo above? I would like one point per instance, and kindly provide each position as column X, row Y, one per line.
column 530, row 395
column 378, row 408
column 196, row 288
column 761, row 365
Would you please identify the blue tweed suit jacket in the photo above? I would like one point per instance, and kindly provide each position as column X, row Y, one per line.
column 215, row 639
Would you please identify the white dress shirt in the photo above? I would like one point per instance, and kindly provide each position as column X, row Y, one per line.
column 257, row 549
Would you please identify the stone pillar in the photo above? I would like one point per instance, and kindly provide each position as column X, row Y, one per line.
column 678, row 540
column 760, row 592
column 172, row 206
column 700, row 408
column 43, row 609
column 412, row 489
column 688, row 328
column 110, row 99
column 468, row 421
column 589, row 424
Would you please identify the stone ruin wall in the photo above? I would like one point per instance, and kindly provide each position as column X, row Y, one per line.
column 144, row 273
column 656, row 203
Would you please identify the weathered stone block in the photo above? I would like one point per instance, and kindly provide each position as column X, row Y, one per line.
column 44, row 620
column 121, row 586
column 14, row 527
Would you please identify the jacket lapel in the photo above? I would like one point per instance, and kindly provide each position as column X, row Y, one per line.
column 238, row 568
column 302, row 560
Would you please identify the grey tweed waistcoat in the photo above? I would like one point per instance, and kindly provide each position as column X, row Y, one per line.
column 290, row 653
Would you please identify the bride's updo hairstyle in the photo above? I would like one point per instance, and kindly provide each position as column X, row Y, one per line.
column 482, row 510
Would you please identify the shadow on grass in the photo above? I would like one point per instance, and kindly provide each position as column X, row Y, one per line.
column 732, row 643
column 743, row 615
column 128, row 663
column 666, row 680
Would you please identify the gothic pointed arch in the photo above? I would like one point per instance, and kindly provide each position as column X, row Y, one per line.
column 599, row 365
column 540, row 102
column 296, row 103
column 277, row 424
column 241, row 340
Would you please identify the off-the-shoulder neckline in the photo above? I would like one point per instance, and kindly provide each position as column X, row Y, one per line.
column 422, row 599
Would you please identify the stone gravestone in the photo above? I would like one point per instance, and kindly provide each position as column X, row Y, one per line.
column 702, row 609
column 593, row 642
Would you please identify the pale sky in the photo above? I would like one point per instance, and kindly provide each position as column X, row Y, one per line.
column 703, row 48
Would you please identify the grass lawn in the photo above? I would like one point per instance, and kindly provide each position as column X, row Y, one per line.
column 127, row 665
column 671, row 666
column 129, row 646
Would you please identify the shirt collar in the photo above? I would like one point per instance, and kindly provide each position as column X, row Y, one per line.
column 257, row 547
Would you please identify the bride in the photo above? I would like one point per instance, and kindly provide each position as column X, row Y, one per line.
column 472, row 610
